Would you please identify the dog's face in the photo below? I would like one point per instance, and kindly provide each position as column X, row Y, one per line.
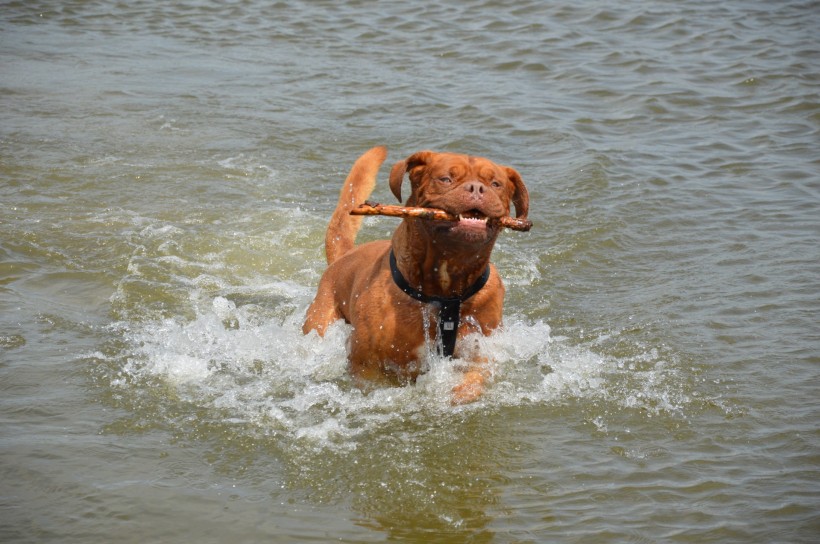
column 475, row 189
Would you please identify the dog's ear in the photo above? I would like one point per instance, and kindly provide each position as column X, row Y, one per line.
column 520, row 197
column 397, row 172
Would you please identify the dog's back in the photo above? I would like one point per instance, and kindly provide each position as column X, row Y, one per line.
column 343, row 227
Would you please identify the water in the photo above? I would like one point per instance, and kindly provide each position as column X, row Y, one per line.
column 166, row 174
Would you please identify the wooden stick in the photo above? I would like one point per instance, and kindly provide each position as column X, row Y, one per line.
column 434, row 214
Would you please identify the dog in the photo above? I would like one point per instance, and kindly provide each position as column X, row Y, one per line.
column 432, row 283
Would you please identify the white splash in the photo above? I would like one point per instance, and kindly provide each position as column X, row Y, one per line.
column 261, row 370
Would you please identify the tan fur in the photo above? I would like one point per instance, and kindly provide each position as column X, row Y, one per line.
column 389, row 327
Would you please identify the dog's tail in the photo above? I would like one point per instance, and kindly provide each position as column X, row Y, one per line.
column 341, row 232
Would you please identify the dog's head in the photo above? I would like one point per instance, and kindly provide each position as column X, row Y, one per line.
column 475, row 189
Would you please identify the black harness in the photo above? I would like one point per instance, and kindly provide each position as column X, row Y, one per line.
column 449, row 308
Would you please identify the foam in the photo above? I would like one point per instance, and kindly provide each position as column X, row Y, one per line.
column 260, row 370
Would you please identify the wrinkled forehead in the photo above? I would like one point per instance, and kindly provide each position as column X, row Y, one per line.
column 465, row 166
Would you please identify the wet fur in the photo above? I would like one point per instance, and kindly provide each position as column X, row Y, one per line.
column 390, row 331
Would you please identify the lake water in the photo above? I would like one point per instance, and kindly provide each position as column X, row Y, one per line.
column 167, row 170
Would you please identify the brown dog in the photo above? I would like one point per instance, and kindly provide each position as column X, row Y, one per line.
column 433, row 282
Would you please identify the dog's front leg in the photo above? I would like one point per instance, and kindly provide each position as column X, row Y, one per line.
column 475, row 375
column 470, row 389
column 477, row 367
column 323, row 310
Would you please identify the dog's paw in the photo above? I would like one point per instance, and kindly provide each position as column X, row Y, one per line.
column 469, row 390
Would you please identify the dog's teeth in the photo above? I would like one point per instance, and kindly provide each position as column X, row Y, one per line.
column 462, row 217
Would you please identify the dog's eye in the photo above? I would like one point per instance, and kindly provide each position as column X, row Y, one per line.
column 445, row 179
column 496, row 184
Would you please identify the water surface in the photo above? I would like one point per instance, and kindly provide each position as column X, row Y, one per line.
column 166, row 175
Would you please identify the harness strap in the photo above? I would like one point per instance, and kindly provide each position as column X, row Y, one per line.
column 449, row 308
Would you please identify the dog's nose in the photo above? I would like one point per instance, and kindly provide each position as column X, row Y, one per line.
column 475, row 188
